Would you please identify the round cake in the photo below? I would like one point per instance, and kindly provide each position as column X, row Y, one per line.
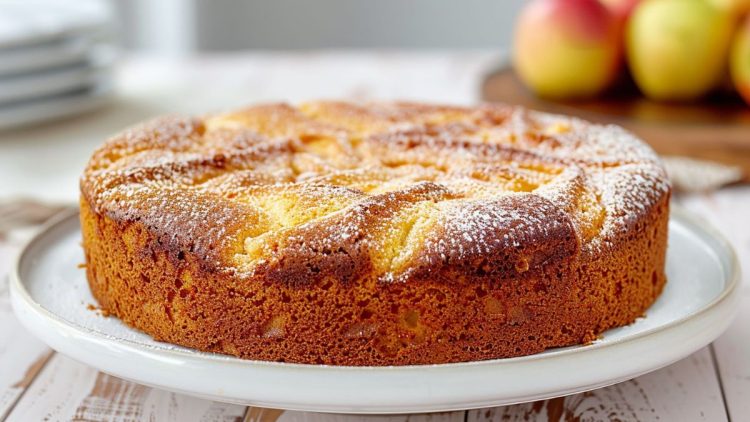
column 375, row 234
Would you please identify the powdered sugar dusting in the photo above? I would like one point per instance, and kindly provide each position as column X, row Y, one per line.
column 398, row 185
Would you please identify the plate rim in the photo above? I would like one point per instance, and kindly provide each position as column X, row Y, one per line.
column 677, row 213
column 485, row 383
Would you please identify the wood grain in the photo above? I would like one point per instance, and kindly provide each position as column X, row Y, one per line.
column 259, row 414
column 717, row 129
column 685, row 391
column 66, row 390
column 732, row 352
column 21, row 355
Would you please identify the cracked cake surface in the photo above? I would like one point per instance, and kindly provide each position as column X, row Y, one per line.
column 375, row 234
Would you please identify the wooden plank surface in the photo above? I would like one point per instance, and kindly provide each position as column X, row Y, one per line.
column 66, row 390
column 21, row 354
column 21, row 358
column 732, row 351
column 685, row 391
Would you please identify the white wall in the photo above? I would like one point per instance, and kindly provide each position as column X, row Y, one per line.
column 184, row 25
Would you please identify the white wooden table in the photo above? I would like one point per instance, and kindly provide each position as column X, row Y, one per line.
column 37, row 384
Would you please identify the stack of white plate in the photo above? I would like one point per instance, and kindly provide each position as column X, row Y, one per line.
column 55, row 59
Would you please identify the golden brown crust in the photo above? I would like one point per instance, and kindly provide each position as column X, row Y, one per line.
column 375, row 235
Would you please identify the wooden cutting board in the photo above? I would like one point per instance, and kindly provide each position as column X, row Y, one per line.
column 716, row 129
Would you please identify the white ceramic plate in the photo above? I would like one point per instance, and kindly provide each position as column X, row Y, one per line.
column 39, row 85
column 49, row 294
column 45, row 56
column 56, row 106
column 26, row 23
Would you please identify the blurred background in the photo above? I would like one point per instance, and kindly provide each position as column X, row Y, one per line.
column 74, row 72
column 183, row 26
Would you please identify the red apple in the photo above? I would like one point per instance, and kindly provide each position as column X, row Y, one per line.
column 621, row 8
column 739, row 59
column 566, row 48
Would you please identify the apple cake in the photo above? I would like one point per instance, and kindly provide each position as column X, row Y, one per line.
column 375, row 234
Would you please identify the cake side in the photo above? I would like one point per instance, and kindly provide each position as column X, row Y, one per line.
column 441, row 235
column 367, row 323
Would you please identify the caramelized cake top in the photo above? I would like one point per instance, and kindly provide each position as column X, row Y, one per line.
column 394, row 191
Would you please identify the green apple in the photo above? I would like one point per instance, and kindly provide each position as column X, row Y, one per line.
column 566, row 48
column 677, row 49
column 739, row 65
